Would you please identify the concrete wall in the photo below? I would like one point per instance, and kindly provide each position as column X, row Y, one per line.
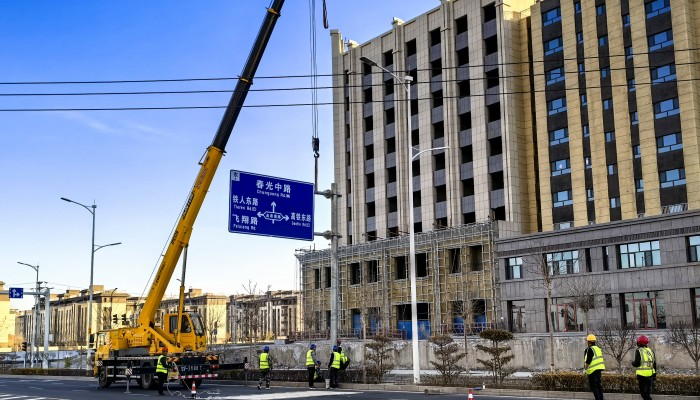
column 531, row 353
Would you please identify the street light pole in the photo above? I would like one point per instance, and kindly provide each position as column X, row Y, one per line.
column 35, row 313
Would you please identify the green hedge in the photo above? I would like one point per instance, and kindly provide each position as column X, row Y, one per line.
column 49, row 372
column 682, row 385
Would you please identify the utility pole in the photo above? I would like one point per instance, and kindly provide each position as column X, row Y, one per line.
column 333, row 236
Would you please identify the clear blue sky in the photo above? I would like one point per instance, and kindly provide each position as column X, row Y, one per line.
column 139, row 165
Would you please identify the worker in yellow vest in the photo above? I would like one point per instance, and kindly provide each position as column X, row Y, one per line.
column 594, row 365
column 645, row 362
column 265, row 364
column 162, row 370
column 334, row 367
column 311, row 365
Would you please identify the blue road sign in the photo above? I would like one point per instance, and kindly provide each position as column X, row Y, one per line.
column 268, row 206
column 16, row 293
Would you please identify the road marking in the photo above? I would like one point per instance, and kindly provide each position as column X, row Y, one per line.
column 286, row 395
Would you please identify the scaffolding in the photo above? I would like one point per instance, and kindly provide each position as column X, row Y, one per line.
column 455, row 269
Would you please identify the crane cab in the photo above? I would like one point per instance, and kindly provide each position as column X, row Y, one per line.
column 192, row 335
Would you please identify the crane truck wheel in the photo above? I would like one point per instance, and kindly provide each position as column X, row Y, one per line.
column 103, row 380
column 146, row 380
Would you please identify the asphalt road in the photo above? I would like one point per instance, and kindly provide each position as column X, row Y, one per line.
column 56, row 388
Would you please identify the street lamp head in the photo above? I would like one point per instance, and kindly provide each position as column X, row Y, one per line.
column 408, row 78
column 368, row 61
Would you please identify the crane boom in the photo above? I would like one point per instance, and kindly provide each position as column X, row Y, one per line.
column 209, row 165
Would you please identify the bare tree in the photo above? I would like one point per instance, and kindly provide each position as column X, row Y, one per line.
column 686, row 336
column 465, row 309
column 583, row 292
column 616, row 339
column 448, row 358
column 214, row 318
column 377, row 355
column 540, row 266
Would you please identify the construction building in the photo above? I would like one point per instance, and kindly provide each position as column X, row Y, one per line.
column 265, row 316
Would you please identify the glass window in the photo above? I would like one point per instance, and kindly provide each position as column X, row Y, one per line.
column 518, row 322
column 563, row 262
column 656, row 7
column 645, row 310
column 579, row 37
column 586, row 132
column 561, row 167
column 672, row 177
column 660, row 40
column 600, row 10
column 629, row 52
column 634, row 118
column 558, row 136
column 639, row 184
column 562, row 198
column 589, row 195
column 514, row 268
column 614, row 202
column 554, row 75
column 551, row 16
column 612, row 169
column 581, row 68
column 670, row 142
column 584, row 100
column 626, row 20
column 641, row 254
column 604, row 72
column 556, row 106
column 664, row 73
column 577, row 7
column 637, row 151
column 666, row 108
column 694, row 252
column 603, row 40
column 587, row 162
column 553, row 46
column 565, row 316
column 610, row 136
column 607, row 104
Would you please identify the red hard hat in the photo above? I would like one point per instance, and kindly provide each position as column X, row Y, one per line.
column 643, row 340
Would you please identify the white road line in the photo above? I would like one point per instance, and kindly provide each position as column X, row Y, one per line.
column 286, row 395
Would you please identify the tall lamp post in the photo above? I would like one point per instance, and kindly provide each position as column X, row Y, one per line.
column 35, row 312
column 91, row 209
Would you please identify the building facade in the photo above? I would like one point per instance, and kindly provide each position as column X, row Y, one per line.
column 268, row 316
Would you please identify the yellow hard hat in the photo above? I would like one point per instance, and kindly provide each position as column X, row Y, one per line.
column 590, row 338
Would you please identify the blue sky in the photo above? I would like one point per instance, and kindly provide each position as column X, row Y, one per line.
column 139, row 165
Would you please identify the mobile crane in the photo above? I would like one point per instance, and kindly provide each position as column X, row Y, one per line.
column 132, row 352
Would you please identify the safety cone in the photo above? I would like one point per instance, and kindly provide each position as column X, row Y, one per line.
column 194, row 390
column 471, row 395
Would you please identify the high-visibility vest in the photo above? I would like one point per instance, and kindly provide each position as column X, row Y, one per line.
column 263, row 361
column 159, row 366
column 646, row 366
column 343, row 357
column 310, row 359
column 336, row 360
column 597, row 360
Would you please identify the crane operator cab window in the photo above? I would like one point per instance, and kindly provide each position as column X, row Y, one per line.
column 197, row 323
column 186, row 326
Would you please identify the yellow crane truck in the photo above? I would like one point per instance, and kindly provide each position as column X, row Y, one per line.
column 132, row 352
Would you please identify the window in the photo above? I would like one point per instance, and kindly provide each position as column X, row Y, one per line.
column 634, row 118
column 372, row 271
column 604, row 72
column 584, row 100
column 608, row 300
column 563, row 198
column 695, row 297
column 554, row 75
column 561, row 167
column 609, row 136
column 517, row 320
column 455, row 260
column 639, row 185
column 558, row 136
column 587, row 162
column 612, row 169
column 577, row 7
column 553, row 46
column 317, row 279
column 631, row 85
column 626, row 20
column 607, row 104
column 637, row 151
column 641, row 254
column 614, row 202
column 401, row 267
column 672, row 177
column 666, row 108
column 556, row 106
column 589, row 195
column 581, row 69
column 565, row 316
column 629, row 53
column 579, row 37
column 355, row 274
column 600, row 10
column 660, row 40
column 670, row 142
column 514, row 268
column 563, row 263
column 586, row 131
column 656, row 7
column 694, row 251
column 603, row 41
column 551, row 16
column 645, row 310
column 664, row 73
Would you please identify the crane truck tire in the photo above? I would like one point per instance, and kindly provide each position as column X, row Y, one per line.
column 146, row 380
column 103, row 380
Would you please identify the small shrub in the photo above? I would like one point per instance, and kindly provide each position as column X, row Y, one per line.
column 448, row 356
column 680, row 385
column 497, row 352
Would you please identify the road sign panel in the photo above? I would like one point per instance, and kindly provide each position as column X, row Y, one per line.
column 16, row 293
column 270, row 206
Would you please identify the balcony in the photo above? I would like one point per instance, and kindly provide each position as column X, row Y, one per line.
column 367, row 81
column 441, row 210
column 391, row 189
column 390, row 160
column 463, row 72
column 493, row 129
column 491, row 61
column 435, row 52
column 371, row 224
column 388, row 101
column 439, row 177
column 369, row 195
column 367, row 109
column 464, row 105
column 414, row 122
column 436, row 83
column 411, row 62
column 416, row 183
column 489, row 28
column 497, row 198
column 439, row 142
column 368, row 138
column 493, row 95
column 436, row 115
column 392, row 219
column 417, row 214
column 496, row 163
column 462, row 40
column 369, row 166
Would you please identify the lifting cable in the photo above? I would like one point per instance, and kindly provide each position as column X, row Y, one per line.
column 315, row 143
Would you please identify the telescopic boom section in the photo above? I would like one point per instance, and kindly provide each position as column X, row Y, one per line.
column 181, row 236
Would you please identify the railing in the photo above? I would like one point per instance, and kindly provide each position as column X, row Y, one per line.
column 347, row 334
column 674, row 208
column 471, row 329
